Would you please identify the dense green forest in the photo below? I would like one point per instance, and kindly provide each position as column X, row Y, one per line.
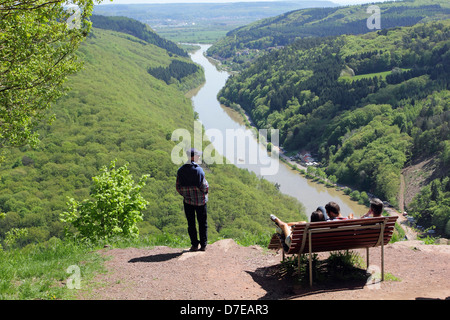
column 185, row 75
column 367, row 104
column 258, row 37
column 136, row 29
column 117, row 110
column 176, row 70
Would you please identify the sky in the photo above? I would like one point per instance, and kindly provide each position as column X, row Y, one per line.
column 342, row 2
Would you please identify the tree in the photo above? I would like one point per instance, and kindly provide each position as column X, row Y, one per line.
column 38, row 41
column 116, row 208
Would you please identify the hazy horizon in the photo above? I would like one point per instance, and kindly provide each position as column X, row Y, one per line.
column 340, row 2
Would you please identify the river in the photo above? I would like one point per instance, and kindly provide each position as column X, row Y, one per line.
column 219, row 121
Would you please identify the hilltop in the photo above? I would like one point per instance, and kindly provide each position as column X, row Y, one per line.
column 232, row 272
column 248, row 42
column 202, row 22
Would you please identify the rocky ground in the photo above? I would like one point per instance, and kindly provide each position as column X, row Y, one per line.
column 232, row 272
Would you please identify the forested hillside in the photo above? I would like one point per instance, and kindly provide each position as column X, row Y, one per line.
column 202, row 21
column 137, row 29
column 117, row 110
column 245, row 43
column 365, row 104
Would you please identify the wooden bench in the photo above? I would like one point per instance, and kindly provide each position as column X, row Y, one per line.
column 338, row 235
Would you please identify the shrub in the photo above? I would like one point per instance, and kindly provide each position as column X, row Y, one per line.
column 355, row 195
column 116, row 209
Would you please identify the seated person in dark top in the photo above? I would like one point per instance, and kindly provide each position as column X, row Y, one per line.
column 319, row 215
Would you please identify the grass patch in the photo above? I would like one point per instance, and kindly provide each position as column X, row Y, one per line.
column 383, row 75
column 40, row 271
column 149, row 241
column 48, row 271
column 399, row 234
column 194, row 33
column 45, row 271
column 250, row 239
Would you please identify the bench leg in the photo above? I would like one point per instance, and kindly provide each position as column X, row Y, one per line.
column 310, row 260
column 382, row 252
column 310, row 267
column 367, row 257
column 382, row 260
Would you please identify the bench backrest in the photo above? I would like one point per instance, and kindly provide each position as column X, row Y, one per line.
column 341, row 234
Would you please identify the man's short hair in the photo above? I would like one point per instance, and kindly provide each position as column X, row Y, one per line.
column 332, row 207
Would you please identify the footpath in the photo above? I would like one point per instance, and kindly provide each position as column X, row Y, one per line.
column 227, row 271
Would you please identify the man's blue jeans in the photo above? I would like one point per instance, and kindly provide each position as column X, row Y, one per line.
column 190, row 211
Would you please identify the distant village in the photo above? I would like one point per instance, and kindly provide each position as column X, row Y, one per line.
column 305, row 159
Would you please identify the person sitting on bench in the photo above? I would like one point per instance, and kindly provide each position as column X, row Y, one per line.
column 319, row 215
column 334, row 211
column 285, row 229
column 376, row 208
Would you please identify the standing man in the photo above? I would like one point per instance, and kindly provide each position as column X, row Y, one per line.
column 192, row 185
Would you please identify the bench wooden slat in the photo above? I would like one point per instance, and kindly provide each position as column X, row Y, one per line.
column 340, row 240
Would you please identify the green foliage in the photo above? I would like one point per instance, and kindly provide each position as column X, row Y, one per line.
column 258, row 198
column 177, row 70
column 339, row 266
column 431, row 207
column 117, row 110
column 344, row 265
column 182, row 73
column 284, row 29
column 365, row 130
column 37, row 53
column 138, row 30
column 398, row 234
column 427, row 239
column 13, row 235
column 116, row 209
column 40, row 271
column 250, row 239
column 355, row 195
column 201, row 22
